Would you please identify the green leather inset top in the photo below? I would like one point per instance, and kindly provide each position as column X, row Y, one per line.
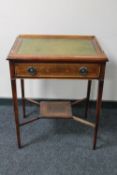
column 56, row 47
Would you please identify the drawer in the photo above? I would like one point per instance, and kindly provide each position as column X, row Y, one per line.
column 57, row 70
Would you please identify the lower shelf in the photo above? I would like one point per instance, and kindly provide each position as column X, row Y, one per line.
column 55, row 109
column 58, row 110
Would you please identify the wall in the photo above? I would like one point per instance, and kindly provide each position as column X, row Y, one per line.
column 97, row 17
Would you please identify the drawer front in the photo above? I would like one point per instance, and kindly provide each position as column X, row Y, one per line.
column 57, row 70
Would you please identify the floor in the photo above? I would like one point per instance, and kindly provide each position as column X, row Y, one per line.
column 58, row 147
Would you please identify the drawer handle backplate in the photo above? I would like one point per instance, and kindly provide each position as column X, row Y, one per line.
column 83, row 70
column 31, row 70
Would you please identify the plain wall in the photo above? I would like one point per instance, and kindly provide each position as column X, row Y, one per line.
column 95, row 17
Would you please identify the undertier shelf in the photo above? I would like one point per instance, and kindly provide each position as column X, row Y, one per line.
column 55, row 109
column 60, row 109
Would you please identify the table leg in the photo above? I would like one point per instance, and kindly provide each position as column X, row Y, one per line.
column 98, row 109
column 15, row 104
column 23, row 98
column 88, row 97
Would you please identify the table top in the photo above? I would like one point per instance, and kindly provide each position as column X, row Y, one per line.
column 57, row 48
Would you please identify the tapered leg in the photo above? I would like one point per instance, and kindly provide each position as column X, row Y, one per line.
column 15, row 104
column 88, row 97
column 98, row 109
column 23, row 98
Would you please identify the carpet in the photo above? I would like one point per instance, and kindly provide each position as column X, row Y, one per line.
column 58, row 147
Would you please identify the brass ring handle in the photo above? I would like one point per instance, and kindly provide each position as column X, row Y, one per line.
column 31, row 70
column 83, row 70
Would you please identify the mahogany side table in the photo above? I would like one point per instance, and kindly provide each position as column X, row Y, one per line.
column 57, row 57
